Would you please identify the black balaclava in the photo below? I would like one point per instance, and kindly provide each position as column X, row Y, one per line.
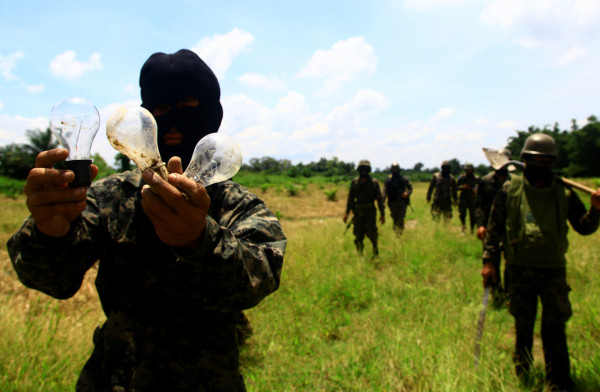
column 538, row 173
column 445, row 171
column 170, row 78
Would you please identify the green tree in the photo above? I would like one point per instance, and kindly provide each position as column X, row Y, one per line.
column 40, row 141
column 15, row 161
column 122, row 162
column 584, row 151
column 103, row 169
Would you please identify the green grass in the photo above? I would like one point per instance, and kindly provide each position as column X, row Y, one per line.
column 405, row 321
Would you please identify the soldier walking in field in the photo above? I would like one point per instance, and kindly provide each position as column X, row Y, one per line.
column 489, row 185
column 364, row 194
column 397, row 190
column 467, row 186
column 443, row 189
column 529, row 215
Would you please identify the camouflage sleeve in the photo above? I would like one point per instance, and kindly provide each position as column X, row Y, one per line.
column 350, row 202
column 496, row 227
column 583, row 221
column 454, row 191
column 379, row 198
column 242, row 250
column 409, row 187
column 431, row 187
column 55, row 266
column 480, row 205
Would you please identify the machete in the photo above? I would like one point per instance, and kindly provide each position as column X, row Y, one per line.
column 480, row 322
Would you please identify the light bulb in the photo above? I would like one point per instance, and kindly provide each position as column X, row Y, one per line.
column 132, row 131
column 217, row 157
column 74, row 122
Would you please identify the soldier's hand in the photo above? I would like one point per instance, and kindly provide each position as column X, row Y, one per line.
column 345, row 218
column 488, row 272
column 382, row 219
column 405, row 195
column 53, row 205
column 177, row 208
column 481, row 233
column 596, row 199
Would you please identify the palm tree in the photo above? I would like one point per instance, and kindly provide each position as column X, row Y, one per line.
column 39, row 141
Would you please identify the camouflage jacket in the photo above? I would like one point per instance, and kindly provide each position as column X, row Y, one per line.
column 442, row 188
column 170, row 311
column 467, row 185
column 394, row 187
column 362, row 196
column 582, row 220
column 489, row 185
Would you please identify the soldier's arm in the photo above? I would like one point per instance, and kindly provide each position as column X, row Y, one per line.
column 431, row 188
column 583, row 221
column 496, row 227
column 56, row 266
column 240, row 257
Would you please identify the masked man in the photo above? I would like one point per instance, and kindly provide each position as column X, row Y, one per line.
column 178, row 262
column 529, row 216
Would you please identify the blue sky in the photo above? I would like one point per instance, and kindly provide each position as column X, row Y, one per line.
column 407, row 81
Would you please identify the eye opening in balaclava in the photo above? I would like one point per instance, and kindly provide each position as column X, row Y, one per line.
column 171, row 78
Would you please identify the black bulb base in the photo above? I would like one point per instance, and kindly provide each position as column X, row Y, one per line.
column 83, row 172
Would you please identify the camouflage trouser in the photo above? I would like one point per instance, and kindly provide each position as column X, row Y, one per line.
column 365, row 224
column 550, row 285
column 467, row 204
column 441, row 207
column 398, row 212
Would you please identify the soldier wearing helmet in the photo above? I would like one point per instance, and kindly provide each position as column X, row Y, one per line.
column 364, row 194
column 467, row 186
column 529, row 216
column 443, row 189
column 397, row 190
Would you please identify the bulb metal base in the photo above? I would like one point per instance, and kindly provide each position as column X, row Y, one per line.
column 83, row 172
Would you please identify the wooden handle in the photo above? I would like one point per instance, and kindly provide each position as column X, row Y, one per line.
column 577, row 185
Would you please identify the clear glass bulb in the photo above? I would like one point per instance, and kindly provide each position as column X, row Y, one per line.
column 132, row 131
column 217, row 157
column 74, row 122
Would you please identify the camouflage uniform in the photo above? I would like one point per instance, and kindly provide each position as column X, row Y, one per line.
column 394, row 187
column 538, row 270
column 171, row 312
column 360, row 201
column 443, row 189
column 467, row 185
column 488, row 187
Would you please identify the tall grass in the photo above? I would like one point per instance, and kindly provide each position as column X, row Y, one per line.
column 404, row 321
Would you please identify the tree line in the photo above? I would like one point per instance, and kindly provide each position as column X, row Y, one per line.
column 578, row 156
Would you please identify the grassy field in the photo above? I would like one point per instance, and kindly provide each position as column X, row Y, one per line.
column 404, row 321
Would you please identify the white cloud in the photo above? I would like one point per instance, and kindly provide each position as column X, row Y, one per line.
column 572, row 55
column 311, row 133
column 66, row 66
column 262, row 81
column 507, row 125
column 481, row 121
column 219, row 50
column 35, row 88
column 12, row 128
column 344, row 62
column 444, row 113
column 7, row 65
column 1, row 105
column 535, row 22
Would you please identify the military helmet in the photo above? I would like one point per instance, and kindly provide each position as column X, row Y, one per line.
column 446, row 164
column 469, row 166
column 364, row 163
column 395, row 165
column 539, row 144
